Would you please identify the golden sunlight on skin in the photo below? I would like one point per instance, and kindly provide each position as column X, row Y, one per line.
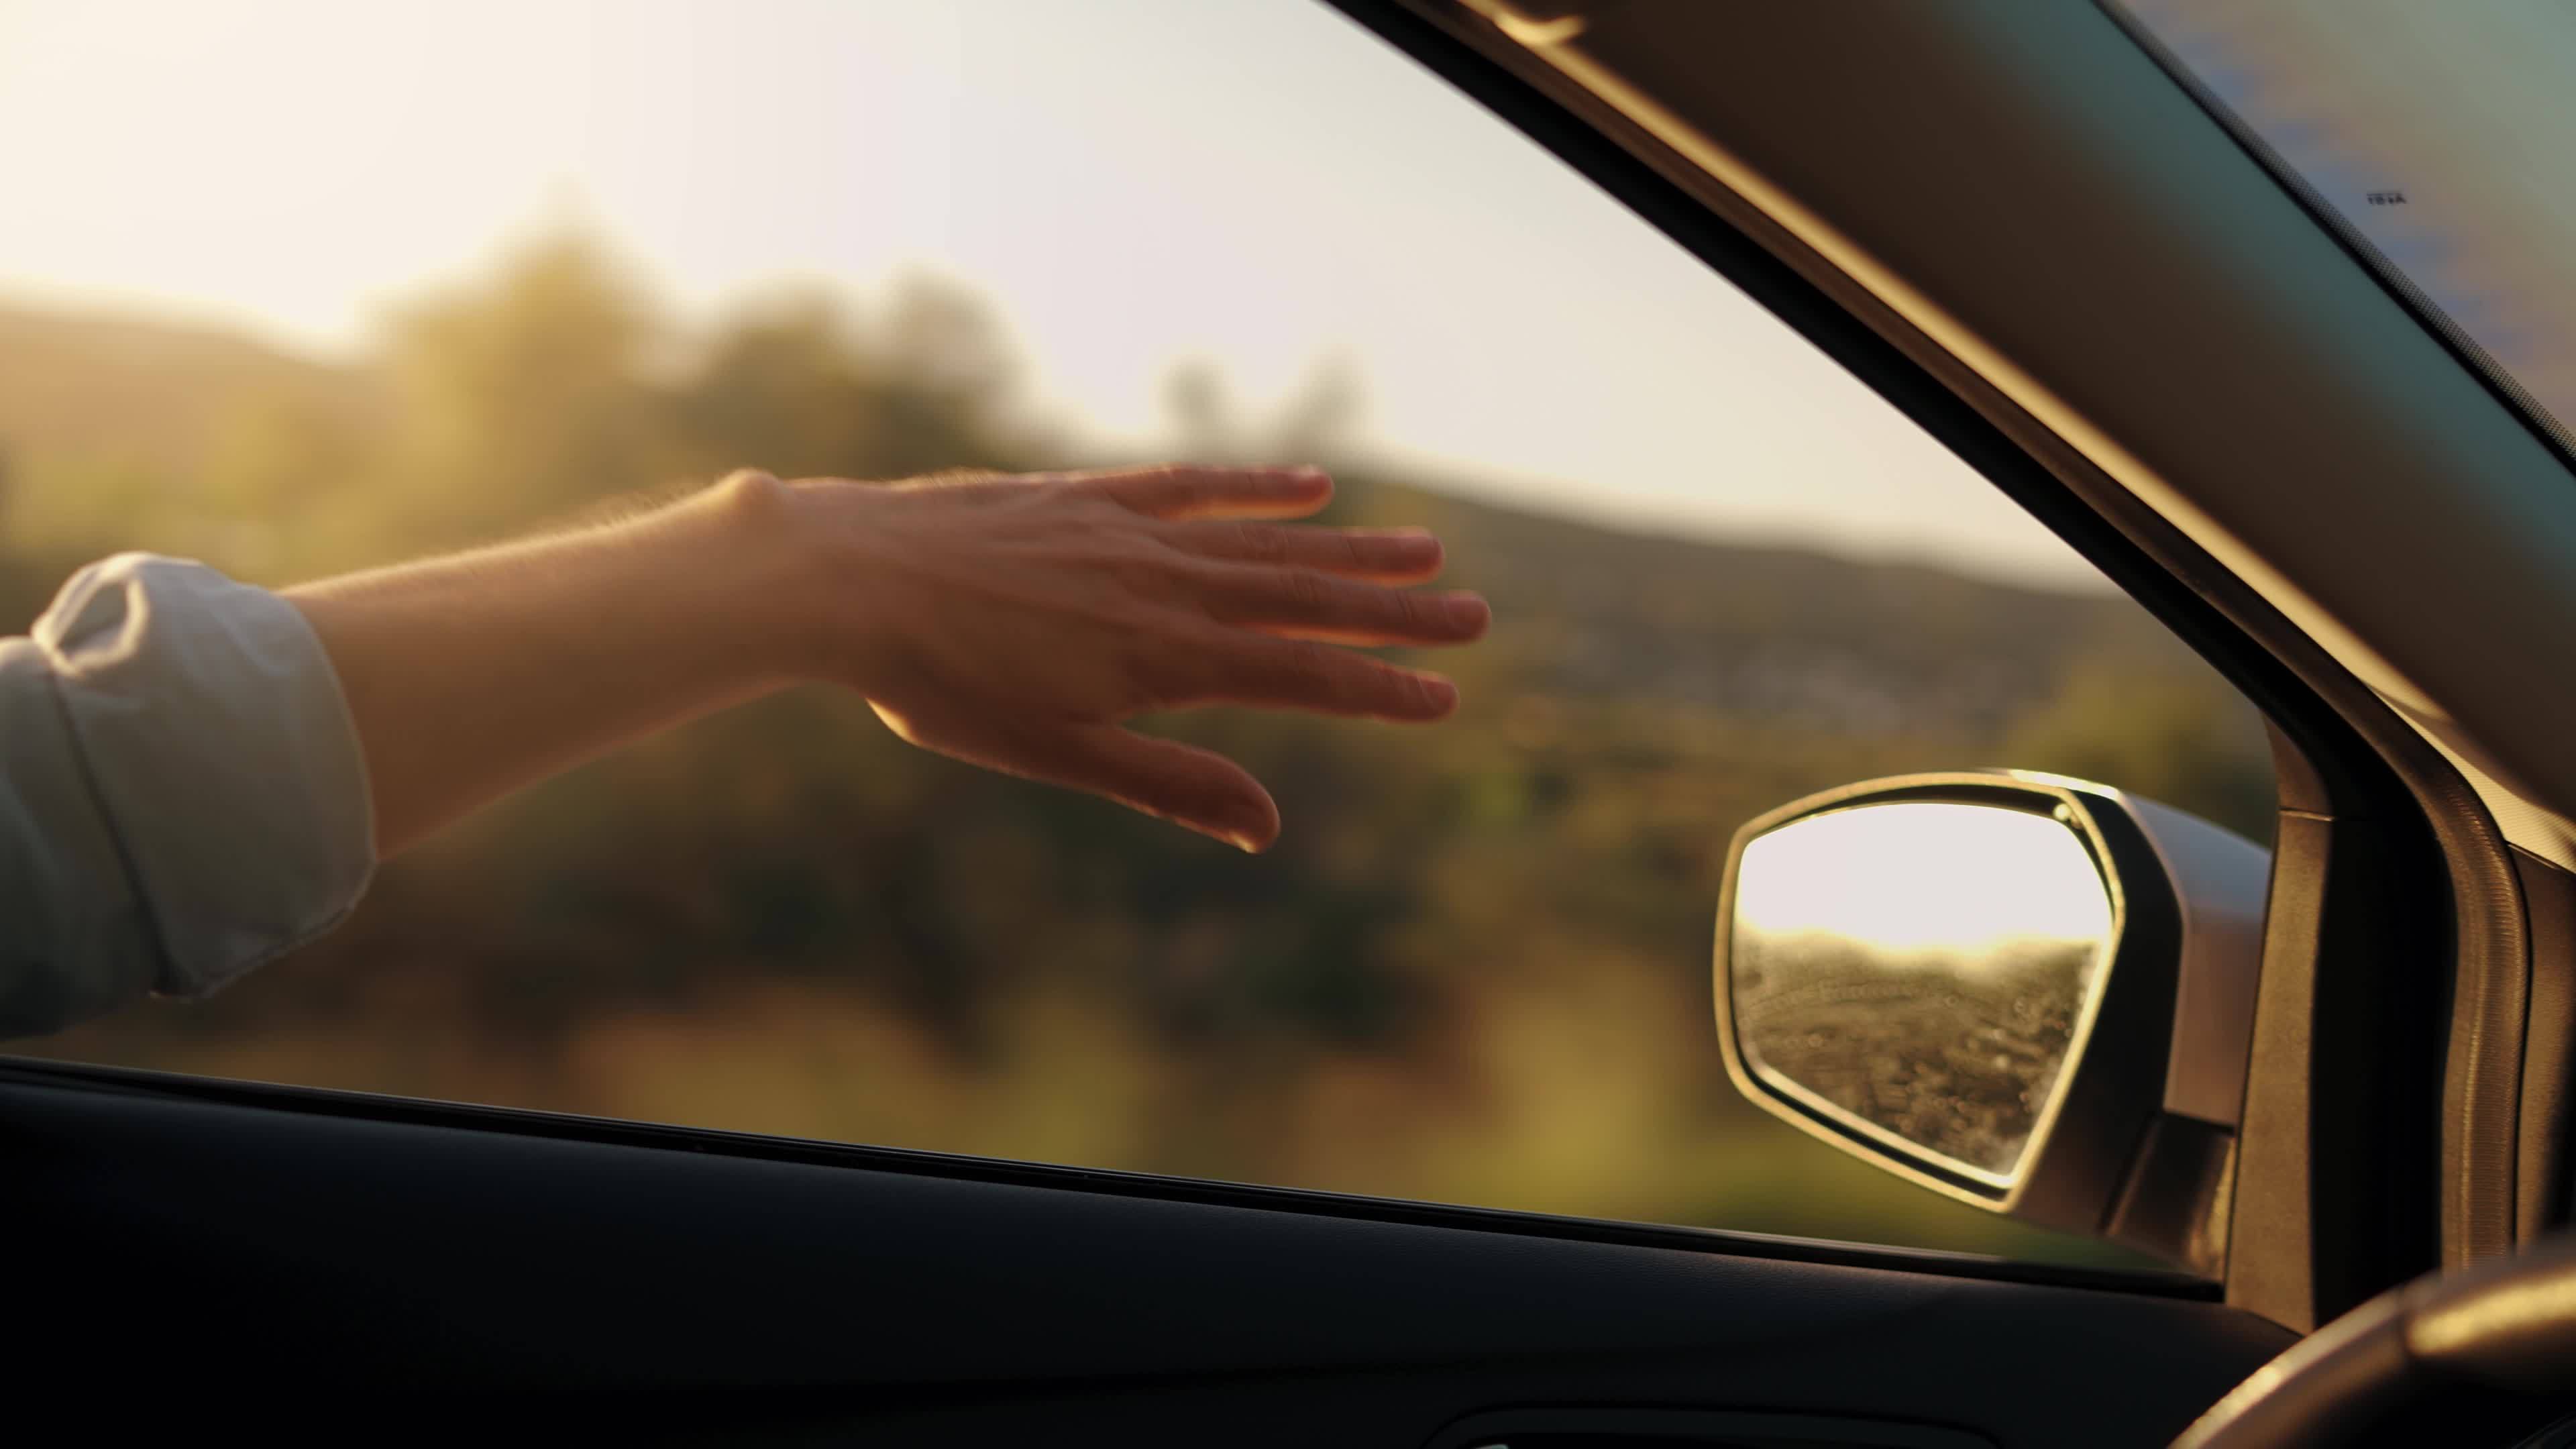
column 1923, row 878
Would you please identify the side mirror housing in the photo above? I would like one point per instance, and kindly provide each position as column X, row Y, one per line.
column 2027, row 992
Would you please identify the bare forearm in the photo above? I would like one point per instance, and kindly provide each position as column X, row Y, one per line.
column 472, row 675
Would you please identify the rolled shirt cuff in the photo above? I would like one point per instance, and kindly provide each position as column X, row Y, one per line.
column 215, row 737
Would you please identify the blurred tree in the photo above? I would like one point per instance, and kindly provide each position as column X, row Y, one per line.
column 786, row 386
column 1200, row 411
column 2184, row 739
column 1314, row 425
column 799, row 386
column 522, row 399
column 288, row 481
column 1319, row 422
column 950, row 380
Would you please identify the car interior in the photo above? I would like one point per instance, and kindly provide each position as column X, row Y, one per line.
column 2317, row 1097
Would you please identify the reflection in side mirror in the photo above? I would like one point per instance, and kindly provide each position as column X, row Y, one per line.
column 1919, row 969
column 2027, row 992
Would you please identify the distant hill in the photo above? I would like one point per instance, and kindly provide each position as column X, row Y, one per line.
column 1788, row 634
column 95, row 387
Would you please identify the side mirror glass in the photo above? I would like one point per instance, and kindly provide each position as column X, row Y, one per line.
column 1919, row 971
column 2030, row 993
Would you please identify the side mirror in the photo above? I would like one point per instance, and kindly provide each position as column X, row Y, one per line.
column 2027, row 992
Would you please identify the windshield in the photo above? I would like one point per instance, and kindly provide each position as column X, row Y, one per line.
column 2441, row 139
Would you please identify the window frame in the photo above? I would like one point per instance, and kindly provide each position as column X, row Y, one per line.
column 2381, row 838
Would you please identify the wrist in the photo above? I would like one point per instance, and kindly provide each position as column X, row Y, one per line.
column 781, row 571
column 726, row 559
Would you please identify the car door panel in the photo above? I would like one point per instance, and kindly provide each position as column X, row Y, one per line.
column 733, row 1292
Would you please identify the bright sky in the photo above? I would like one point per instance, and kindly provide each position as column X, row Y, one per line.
column 1134, row 182
column 1925, row 876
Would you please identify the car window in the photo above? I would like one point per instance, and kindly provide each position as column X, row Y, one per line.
column 329, row 286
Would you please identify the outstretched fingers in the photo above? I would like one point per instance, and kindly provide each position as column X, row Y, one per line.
column 1382, row 555
column 1172, row 781
column 1160, row 777
column 1304, row 674
column 1184, row 490
column 1181, row 783
column 1305, row 604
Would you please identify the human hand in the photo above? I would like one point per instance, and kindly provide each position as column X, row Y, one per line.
column 1015, row 622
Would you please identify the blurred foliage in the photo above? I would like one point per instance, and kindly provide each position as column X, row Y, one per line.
column 1475, row 969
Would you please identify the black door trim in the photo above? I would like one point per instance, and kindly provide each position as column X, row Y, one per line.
column 558, row 1126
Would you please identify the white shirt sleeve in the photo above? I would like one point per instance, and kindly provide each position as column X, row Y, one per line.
column 182, row 796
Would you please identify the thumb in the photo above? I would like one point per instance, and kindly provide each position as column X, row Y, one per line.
column 1184, row 784
column 1189, row 786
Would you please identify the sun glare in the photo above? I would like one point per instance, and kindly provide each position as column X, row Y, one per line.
column 1926, row 876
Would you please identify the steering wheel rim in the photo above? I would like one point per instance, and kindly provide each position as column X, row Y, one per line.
column 2509, row 1324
